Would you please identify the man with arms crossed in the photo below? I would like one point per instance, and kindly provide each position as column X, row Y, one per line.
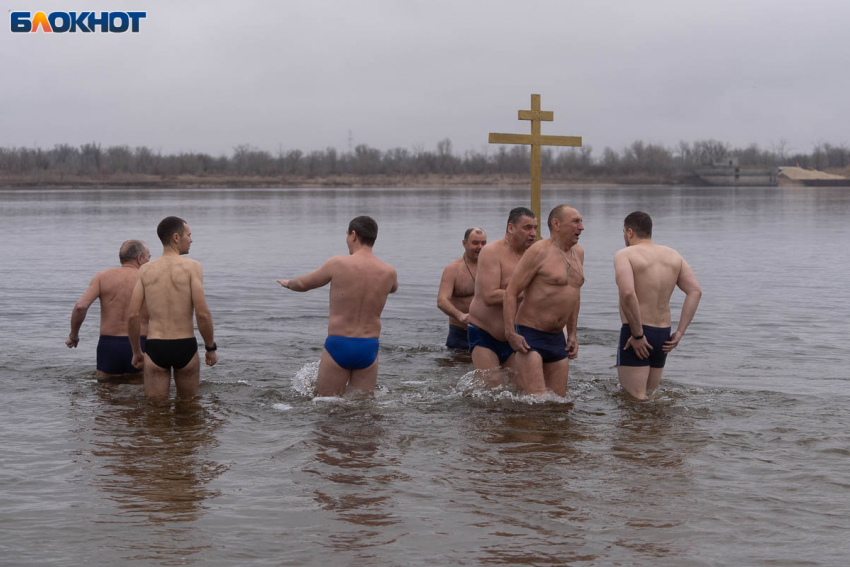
column 360, row 284
column 496, row 264
column 173, row 289
column 457, row 286
column 550, row 274
column 113, row 287
column 646, row 276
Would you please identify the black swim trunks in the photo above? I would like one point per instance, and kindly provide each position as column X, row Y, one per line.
column 479, row 337
column 172, row 353
column 114, row 355
column 457, row 339
column 656, row 336
column 551, row 346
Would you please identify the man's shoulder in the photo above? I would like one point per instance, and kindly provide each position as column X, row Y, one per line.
column 454, row 265
column 492, row 251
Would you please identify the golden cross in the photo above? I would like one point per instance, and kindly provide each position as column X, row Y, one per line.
column 535, row 140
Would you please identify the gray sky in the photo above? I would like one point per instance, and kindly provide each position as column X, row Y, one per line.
column 207, row 76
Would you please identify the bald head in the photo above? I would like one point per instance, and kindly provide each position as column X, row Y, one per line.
column 474, row 230
column 131, row 249
column 558, row 213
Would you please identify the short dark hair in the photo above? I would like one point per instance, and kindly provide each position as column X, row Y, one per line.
column 470, row 230
column 168, row 227
column 640, row 223
column 518, row 213
column 557, row 212
column 366, row 229
column 130, row 250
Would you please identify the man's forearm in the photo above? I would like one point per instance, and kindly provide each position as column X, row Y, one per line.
column 572, row 321
column 446, row 307
column 205, row 327
column 631, row 309
column 494, row 298
column 78, row 315
column 134, row 333
column 509, row 308
column 689, row 309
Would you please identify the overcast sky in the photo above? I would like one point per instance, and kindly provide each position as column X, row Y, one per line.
column 207, row 76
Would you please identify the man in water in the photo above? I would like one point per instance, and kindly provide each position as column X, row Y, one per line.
column 550, row 274
column 457, row 287
column 646, row 276
column 113, row 287
column 173, row 289
column 360, row 284
column 496, row 264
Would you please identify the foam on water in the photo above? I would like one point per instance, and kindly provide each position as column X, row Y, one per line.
column 496, row 385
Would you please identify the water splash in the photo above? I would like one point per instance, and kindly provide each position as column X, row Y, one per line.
column 305, row 380
column 496, row 385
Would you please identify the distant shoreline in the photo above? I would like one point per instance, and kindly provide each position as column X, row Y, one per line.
column 142, row 181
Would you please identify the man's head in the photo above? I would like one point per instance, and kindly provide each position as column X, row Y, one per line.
column 134, row 251
column 565, row 225
column 363, row 230
column 522, row 228
column 474, row 240
column 637, row 226
column 174, row 232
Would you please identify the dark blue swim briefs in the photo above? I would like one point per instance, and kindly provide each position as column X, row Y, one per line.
column 479, row 337
column 551, row 346
column 352, row 353
column 457, row 338
column 114, row 355
column 656, row 336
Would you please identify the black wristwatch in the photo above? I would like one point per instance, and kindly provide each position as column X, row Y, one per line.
column 211, row 348
column 634, row 337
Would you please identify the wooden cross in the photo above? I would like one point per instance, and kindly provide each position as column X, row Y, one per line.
column 535, row 140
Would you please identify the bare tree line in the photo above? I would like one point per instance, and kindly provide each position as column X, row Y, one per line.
column 638, row 158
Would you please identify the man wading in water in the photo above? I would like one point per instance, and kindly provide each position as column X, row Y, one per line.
column 646, row 276
column 360, row 284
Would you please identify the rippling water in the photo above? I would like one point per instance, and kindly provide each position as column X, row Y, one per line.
column 740, row 459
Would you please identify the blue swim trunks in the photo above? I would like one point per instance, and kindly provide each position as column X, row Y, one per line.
column 479, row 337
column 352, row 353
column 457, row 338
column 551, row 346
column 656, row 336
column 114, row 355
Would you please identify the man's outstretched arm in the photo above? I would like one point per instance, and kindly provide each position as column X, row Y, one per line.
column 313, row 280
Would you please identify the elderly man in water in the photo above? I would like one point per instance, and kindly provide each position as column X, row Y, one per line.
column 550, row 275
column 646, row 276
column 113, row 287
column 457, row 286
column 360, row 285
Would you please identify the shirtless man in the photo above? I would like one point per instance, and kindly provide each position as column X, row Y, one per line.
column 113, row 287
column 646, row 276
column 172, row 287
column 550, row 274
column 496, row 264
column 360, row 284
column 457, row 287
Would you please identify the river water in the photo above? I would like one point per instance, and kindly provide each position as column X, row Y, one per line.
column 740, row 459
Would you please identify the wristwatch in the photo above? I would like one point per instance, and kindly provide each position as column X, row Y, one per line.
column 211, row 348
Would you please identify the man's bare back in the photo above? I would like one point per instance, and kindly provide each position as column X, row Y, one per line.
column 360, row 285
column 646, row 276
column 167, row 283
